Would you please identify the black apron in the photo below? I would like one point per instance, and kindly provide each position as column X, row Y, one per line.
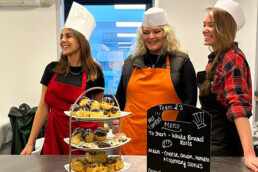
column 224, row 136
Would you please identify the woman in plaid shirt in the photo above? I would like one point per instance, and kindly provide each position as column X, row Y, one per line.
column 225, row 85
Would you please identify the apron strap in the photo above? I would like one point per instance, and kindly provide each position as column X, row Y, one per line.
column 55, row 75
column 167, row 62
column 84, row 79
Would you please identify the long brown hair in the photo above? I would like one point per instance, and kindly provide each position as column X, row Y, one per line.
column 225, row 32
column 88, row 63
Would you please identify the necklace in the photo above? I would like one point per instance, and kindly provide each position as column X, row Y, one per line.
column 75, row 73
column 156, row 58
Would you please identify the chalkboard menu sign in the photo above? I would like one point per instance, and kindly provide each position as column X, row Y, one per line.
column 181, row 145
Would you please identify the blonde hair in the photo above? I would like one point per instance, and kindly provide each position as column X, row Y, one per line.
column 225, row 32
column 170, row 43
column 88, row 63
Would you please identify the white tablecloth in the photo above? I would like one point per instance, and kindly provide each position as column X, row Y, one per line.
column 5, row 136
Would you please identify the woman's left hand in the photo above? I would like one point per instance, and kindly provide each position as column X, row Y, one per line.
column 252, row 163
column 245, row 134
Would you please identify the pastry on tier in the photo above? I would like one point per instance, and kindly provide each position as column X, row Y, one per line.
column 100, row 134
column 80, row 164
column 96, row 156
column 105, row 113
column 114, row 111
column 120, row 137
column 107, row 103
column 97, row 167
column 84, row 101
column 114, row 163
column 109, row 164
column 92, row 104
column 83, row 112
column 90, row 145
column 88, row 135
column 74, row 109
column 80, row 111
column 102, row 144
column 106, row 127
column 76, row 135
column 97, row 113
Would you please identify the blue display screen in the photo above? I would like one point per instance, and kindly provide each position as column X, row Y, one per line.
column 114, row 37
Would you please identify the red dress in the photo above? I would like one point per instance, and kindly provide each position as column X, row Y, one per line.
column 59, row 97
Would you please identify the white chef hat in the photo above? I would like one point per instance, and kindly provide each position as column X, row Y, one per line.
column 80, row 19
column 154, row 17
column 234, row 9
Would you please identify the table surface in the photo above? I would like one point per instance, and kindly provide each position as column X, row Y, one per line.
column 49, row 163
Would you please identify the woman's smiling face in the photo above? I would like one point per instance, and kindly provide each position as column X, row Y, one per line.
column 208, row 30
column 68, row 43
column 153, row 39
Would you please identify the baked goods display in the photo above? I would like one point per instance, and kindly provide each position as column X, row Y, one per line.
column 97, row 161
column 93, row 140
column 94, row 109
column 97, row 142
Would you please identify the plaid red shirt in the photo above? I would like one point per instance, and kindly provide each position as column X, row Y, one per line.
column 232, row 83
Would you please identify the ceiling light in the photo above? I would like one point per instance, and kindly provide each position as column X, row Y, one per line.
column 122, row 43
column 126, row 34
column 128, row 24
column 130, row 6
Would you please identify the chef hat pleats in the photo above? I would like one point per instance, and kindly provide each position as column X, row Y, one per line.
column 154, row 17
column 81, row 20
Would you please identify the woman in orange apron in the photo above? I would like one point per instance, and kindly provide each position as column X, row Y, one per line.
column 157, row 73
column 63, row 82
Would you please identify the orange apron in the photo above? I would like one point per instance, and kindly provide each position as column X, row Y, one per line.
column 147, row 87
